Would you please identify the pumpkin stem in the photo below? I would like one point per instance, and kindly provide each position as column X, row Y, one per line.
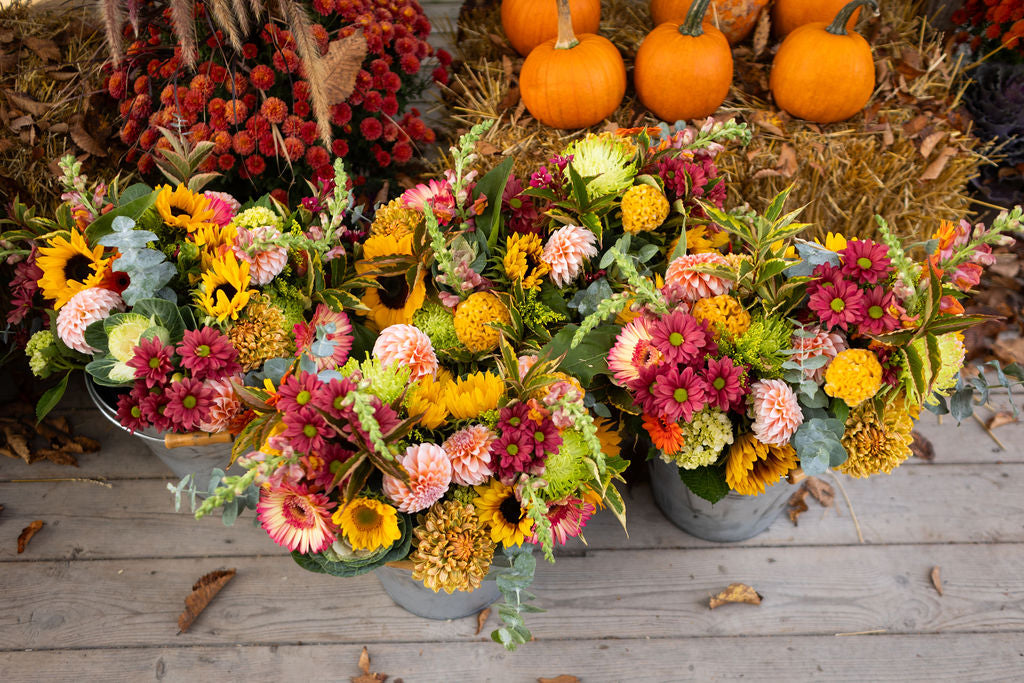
column 838, row 25
column 693, row 24
column 566, row 37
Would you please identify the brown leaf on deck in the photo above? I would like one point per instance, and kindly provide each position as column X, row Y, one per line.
column 364, row 666
column 999, row 419
column 937, row 579
column 481, row 619
column 27, row 533
column 821, row 490
column 922, row 447
column 203, row 591
column 564, row 678
column 736, row 592
column 797, row 504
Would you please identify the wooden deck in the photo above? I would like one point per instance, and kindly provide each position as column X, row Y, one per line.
column 97, row 593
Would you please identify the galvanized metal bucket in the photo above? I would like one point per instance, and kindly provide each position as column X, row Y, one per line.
column 412, row 596
column 199, row 461
column 734, row 518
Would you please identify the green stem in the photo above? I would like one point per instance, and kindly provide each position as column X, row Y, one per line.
column 566, row 36
column 693, row 24
column 838, row 25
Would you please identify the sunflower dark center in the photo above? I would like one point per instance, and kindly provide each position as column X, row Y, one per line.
column 178, row 212
column 229, row 290
column 365, row 518
column 393, row 292
column 510, row 510
column 78, row 267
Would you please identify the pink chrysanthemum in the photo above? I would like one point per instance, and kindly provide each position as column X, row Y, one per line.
column 568, row 248
column 188, row 402
column 546, row 438
column 153, row 408
column 409, row 347
column 723, row 384
column 878, row 317
column 838, row 305
column 623, row 355
column 306, row 429
column 223, row 205
column 513, row 454
column 688, row 284
column 430, row 475
column 298, row 392
column 568, row 517
column 331, row 397
column 678, row 394
column 642, row 388
column 435, row 194
column 152, row 361
column 207, row 353
column 82, row 310
column 297, row 518
column 776, row 412
column 305, row 335
column 470, row 453
column 680, row 337
column 257, row 248
column 224, row 406
column 818, row 343
column 129, row 412
column 865, row 261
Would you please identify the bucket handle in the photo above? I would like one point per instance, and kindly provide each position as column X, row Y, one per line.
column 195, row 439
column 796, row 475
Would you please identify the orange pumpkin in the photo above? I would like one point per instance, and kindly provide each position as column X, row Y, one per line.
column 572, row 82
column 528, row 23
column 735, row 18
column 789, row 14
column 822, row 73
column 683, row 71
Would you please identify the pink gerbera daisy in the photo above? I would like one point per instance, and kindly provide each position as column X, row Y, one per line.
column 878, row 317
column 689, row 284
column 622, row 356
column 306, row 429
column 814, row 343
column 679, row 394
column 225, row 406
column 838, row 305
column 83, row 309
column 430, row 475
column 152, row 361
column 776, row 411
column 568, row 517
column 409, row 347
column 297, row 518
column 865, row 261
column 567, row 249
column 257, row 248
column 470, row 452
column 435, row 194
column 341, row 337
column 207, row 353
column 723, row 384
column 679, row 337
column 223, row 205
column 188, row 402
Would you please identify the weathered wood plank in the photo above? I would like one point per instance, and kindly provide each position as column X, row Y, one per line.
column 880, row 658
column 935, row 504
column 969, row 443
column 608, row 594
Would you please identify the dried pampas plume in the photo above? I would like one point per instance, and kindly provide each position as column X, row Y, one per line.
column 113, row 19
column 183, row 18
column 224, row 17
column 309, row 53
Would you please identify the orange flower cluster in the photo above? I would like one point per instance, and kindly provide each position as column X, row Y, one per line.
column 999, row 21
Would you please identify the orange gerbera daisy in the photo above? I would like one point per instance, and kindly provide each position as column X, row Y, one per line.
column 667, row 436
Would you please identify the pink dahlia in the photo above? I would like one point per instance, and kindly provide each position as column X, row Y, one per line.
column 865, row 261
column 678, row 394
column 435, row 194
column 297, row 518
column 223, row 205
column 258, row 247
column 470, row 452
column 188, row 402
column 409, row 347
column 430, row 474
column 839, row 305
column 224, row 406
column 817, row 343
column 151, row 361
column 686, row 283
column 567, row 250
column 623, row 355
column 305, row 335
column 680, row 337
column 82, row 310
column 776, row 412
column 207, row 353
column 568, row 517
column 878, row 317
column 724, row 384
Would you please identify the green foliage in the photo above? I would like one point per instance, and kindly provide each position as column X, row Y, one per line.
column 513, row 582
column 589, row 357
column 817, row 444
column 537, row 315
column 149, row 269
column 708, row 482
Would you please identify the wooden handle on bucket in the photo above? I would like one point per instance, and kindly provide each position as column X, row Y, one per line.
column 196, row 439
column 796, row 476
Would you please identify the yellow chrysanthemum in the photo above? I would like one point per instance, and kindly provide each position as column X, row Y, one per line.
column 395, row 220
column 428, row 399
column 182, row 208
column 368, row 524
column 752, row 465
column 724, row 315
column 467, row 398
column 69, row 266
column 498, row 508
column 876, row 443
column 394, row 302
column 523, row 259
column 472, row 318
column 855, row 375
column 644, row 208
column 224, row 288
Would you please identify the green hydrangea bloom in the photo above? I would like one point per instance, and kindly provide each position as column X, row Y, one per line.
column 256, row 217
column 567, row 467
column 438, row 323
column 706, row 436
column 41, row 349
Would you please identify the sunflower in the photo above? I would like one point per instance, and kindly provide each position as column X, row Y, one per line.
column 523, row 259
column 368, row 524
column 427, row 398
column 498, row 508
column 210, row 238
column 183, row 209
column 753, row 465
column 224, row 290
column 473, row 395
column 69, row 266
column 394, row 302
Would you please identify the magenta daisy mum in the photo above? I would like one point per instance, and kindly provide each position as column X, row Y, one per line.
column 546, row 438
column 154, row 407
column 514, row 418
column 642, row 389
column 305, row 429
column 679, row 337
column 129, row 412
column 152, row 362
column 298, row 392
column 513, row 453
column 331, row 397
column 839, row 305
column 723, row 384
column 207, row 353
column 679, row 394
column 188, row 402
column 865, row 261
column 827, row 276
column 297, row 518
column 878, row 318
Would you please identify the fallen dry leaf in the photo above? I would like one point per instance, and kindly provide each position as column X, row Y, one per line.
column 27, row 533
column 26, row 103
column 934, row 169
column 341, row 64
column 511, row 98
column 915, row 125
column 86, row 141
column 564, row 678
column 771, row 123
column 928, row 144
column 736, row 592
column 922, row 447
column 485, row 148
column 203, row 591
column 797, row 504
column 46, row 50
column 481, row 619
column 1009, row 350
column 821, row 490
column 364, row 666
column 999, row 419
column 937, row 580
column 762, row 33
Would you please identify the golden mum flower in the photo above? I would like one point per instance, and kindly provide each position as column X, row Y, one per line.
column 182, row 208
column 394, row 302
column 428, row 399
column 644, row 208
column 472, row 318
column 724, row 315
column 395, row 220
column 260, row 334
column 497, row 506
column 523, row 259
column 467, row 398
column 876, row 442
column 854, row 375
column 69, row 266
column 368, row 524
column 453, row 548
column 224, row 289
column 752, row 465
